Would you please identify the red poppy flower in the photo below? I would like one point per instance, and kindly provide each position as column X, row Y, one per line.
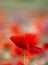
column 45, row 45
column 25, row 41
column 14, row 28
column 6, row 45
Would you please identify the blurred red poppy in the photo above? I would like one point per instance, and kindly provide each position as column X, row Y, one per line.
column 14, row 28
column 45, row 45
column 6, row 45
column 27, row 41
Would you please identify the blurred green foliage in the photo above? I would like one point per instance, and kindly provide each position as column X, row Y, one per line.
column 33, row 4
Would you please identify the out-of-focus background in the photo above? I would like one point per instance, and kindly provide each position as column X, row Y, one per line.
column 22, row 16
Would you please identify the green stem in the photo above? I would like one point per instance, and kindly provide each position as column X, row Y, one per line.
column 25, row 57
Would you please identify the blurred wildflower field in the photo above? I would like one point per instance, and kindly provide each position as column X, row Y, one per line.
column 23, row 32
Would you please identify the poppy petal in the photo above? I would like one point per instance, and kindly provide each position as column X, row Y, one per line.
column 35, row 50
